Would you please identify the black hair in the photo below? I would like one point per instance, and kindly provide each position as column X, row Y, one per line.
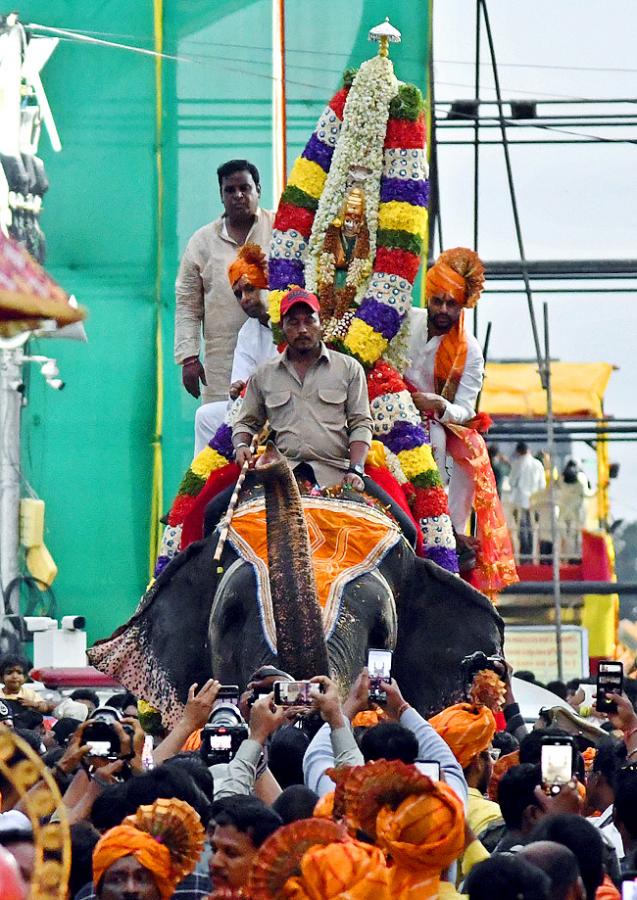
column 389, row 740
column 10, row 660
column 521, row 447
column 192, row 763
column 85, row 694
column 120, row 800
column 294, row 803
column 64, row 729
column 31, row 738
column 626, row 800
column 582, row 838
column 16, row 836
column 248, row 815
column 25, row 718
column 504, row 742
column 83, row 840
column 558, row 688
column 229, row 168
column 525, row 675
column 559, row 863
column 285, row 755
column 122, row 700
column 516, row 791
column 507, row 877
column 573, row 685
column 609, row 759
column 50, row 758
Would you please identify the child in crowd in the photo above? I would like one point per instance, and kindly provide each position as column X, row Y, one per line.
column 14, row 671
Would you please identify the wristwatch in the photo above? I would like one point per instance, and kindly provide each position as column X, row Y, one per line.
column 356, row 469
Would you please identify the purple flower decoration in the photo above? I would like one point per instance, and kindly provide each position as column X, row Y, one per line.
column 445, row 557
column 285, row 272
column 405, row 436
column 382, row 318
column 406, row 190
column 160, row 565
column 222, row 441
column 319, row 152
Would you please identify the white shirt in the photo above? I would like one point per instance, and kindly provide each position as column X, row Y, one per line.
column 255, row 345
column 607, row 826
column 422, row 352
column 527, row 478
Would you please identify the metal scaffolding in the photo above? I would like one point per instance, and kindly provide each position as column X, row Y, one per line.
column 478, row 122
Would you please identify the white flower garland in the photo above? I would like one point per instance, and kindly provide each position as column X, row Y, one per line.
column 360, row 143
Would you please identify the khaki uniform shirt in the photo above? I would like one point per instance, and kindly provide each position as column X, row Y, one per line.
column 314, row 420
column 204, row 300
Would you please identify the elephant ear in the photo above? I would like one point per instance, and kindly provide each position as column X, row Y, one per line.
column 368, row 788
column 279, row 857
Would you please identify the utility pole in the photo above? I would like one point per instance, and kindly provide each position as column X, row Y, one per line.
column 11, row 399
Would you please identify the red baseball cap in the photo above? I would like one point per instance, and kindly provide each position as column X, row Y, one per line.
column 299, row 295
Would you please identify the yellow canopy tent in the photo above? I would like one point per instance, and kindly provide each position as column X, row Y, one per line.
column 514, row 389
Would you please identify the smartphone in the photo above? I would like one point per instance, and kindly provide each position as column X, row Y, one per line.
column 295, row 693
column 557, row 762
column 379, row 669
column 610, row 680
column 229, row 693
column 629, row 886
column 428, row 767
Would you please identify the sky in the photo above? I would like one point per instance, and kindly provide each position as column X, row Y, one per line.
column 574, row 201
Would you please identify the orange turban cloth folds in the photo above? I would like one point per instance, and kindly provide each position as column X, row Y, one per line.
column 460, row 274
column 126, row 840
column 344, row 871
column 423, row 837
column 467, row 729
column 251, row 264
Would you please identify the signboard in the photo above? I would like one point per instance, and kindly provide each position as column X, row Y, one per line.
column 533, row 648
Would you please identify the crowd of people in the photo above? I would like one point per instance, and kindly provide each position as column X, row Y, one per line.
column 523, row 481
column 353, row 799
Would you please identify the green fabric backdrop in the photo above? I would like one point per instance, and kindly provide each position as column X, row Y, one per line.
column 87, row 450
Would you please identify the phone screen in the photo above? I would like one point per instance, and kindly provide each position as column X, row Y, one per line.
column 293, row 693
column 379, row 664
column 429, row 768
column 99, row 748
column 610, row 680
column 629, row 890
column 557, row 763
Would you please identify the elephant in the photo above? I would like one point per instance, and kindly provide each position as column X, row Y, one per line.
column 196, row 622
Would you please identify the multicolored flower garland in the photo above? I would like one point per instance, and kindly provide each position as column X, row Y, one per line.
column 397, row 234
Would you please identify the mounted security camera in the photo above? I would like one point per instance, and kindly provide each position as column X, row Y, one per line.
column 73, row 623
column 40, row 623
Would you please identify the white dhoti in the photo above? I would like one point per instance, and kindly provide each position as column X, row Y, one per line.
column 460, row 484
column 208, row 418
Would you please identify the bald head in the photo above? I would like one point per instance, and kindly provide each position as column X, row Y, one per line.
column 560, row 864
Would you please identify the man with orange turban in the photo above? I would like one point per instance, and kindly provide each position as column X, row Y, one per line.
column 447, row 370
column 248, row 279
column 468, row 730
column 149, row 853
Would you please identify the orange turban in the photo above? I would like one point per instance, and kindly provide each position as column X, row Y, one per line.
column 466, row 728
column 126, row 840
column 458, row 272
column 251, row 263
column 423, row 837
column 367, row 718
column 342, row 871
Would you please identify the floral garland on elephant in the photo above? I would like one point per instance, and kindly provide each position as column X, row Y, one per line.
column 367, row 152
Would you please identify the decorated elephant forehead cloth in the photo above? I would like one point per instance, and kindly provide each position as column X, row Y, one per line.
column 468, row 730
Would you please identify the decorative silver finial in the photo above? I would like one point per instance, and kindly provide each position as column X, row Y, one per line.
column 385, row 34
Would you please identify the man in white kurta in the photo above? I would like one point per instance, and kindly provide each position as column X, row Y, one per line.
column 422, row 352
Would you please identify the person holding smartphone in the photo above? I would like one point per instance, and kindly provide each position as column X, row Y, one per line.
column 405, row 735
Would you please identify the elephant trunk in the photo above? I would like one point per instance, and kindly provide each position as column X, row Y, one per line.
column 301, row 647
